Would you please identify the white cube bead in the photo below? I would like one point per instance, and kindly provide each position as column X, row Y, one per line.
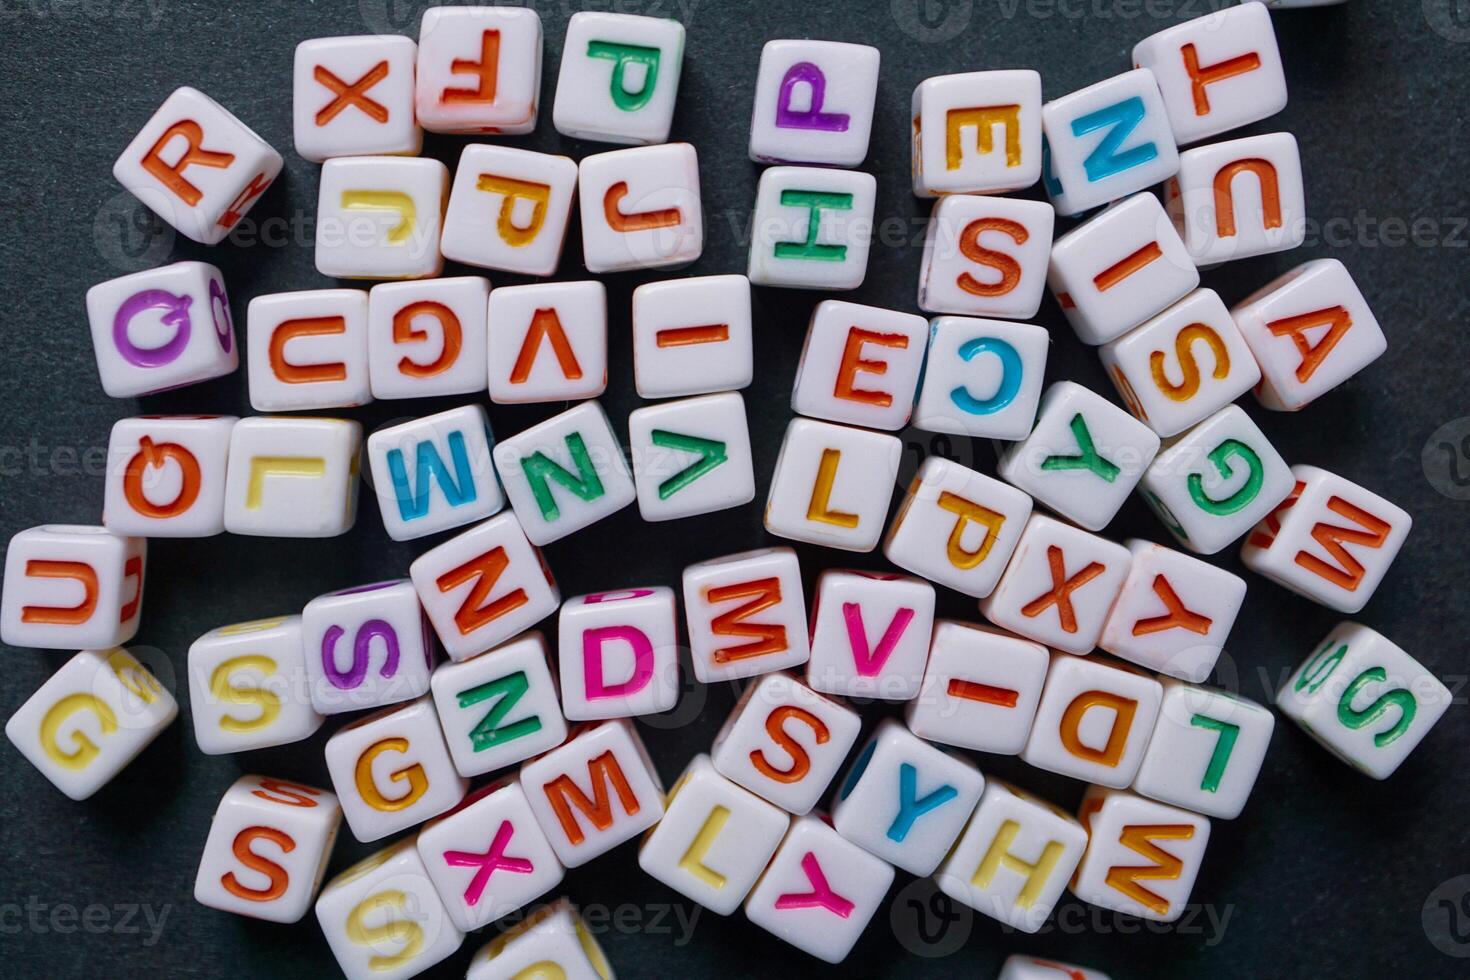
column 493, row 831
column 640, row 208
column 166, row 475
column 691, row 456
column 161, row 329
column 479, row 70
column 870, row 634
column 1309, row 330
column 197, row 166
column 383, row 919
column 832, row 485
column 1020, row 967
column 785, row 742
column 434, row 473
column 308, row 350
column 957, row 527
column 548, row 342
column 981, row 377
column 427, row 337
column 366, row 647
column 248, row 687
column 1239, row 198
column 509, row 209
column 1106, row 141
column 980, row 688
column 484, row 586
column 977, row 133
column 1094, row 721
column 353, row 96
column 553, row 938
column 985, row 256
column 905, row 800
column 1014, row 858
column 267, row 850
column 70, row 586
column 594, row 792
column 292, row 477
column 619, row 77
column 860, row 364
column 819, row 892
column 812, row 228
column 1174, row 613
column 692, row 336
column 753, row 598
column 1212, row 484
column 90, row 719
column 619, row 653
column 1364, row 699
column 698, row 850
column 814, row 102
column 1142, row 857
column 1206, row 750
column 1216, row 72
column 380, row 217
column 392, row 770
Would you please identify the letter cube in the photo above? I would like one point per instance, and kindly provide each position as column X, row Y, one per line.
column 619, row 653
column 392, row 770
column 1212, row 484
column 1239, row 198
column 484, row 586
column 832, row 485
column 691, row 456
column 753, row 597
column 870, row 634
column 383, row 919
column 166, row 475
column 366, row 647
column 1145, row 362
column 553, row 938
column 69, row 586
column 248, row 687
column 1142, row 857
column 957, row 527
column 267, row 850
column 565, row 473
column 677, row 350
column 292, row 477
column 1216, row 72
column 860, row 364
column 1174, row 613
column 308, row 350
column 161, row 329
column 977, row 133
column 509, row 209
column 1363, row 699
column 980, row 689
column 640, row 208
column 1094, row 721
column 427, row 337
column 608, row 761
column 1106, row 141
column 380, row 217
column 90, row 719
column 819, row 892
column 618, row 79
column 982, row 377
column 479, row 70
column 1014, row 858
column 1117, row 269
column 548, row 342
column 1283, row 324
column 499, row 708
column 353, row 96
column 703, row 854
column 986, row 256
column 904, row 800
column 434, row 473
column 492, row 830
column 812, row 228
column 196, row 166
column 1206, row 750
column 1020, row 967
column 785, row 742
column 814, row 102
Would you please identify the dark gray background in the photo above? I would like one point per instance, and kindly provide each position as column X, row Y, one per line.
column 1325, row 873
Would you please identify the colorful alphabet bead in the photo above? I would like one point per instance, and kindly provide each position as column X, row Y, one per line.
column 640, row 208
column 292, row 477
column 426, row 337
column 479, row 70
column 308, row 350
column 691, row 456
column 548, row 342
column 977, row 133
column 985, row 256
column 980, row 689
column 248, row 687
column 981, row 377
column 1142, row 857
column 860, row 365
column 509, row 209
column 870, row 634
column 1094, row 721
column 619, row 653
column 814, row 103
column 434, row 473
column 366, row 647
column 692, row 336
column 166, row 475
column 619, row 77
column 1020, row 967
column 1239, row 198
column 812, row 228
column 554, row 938
column 746, row 614
column 380, row 217
column 70, row 586
column 353, row 96
column 832, row 485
